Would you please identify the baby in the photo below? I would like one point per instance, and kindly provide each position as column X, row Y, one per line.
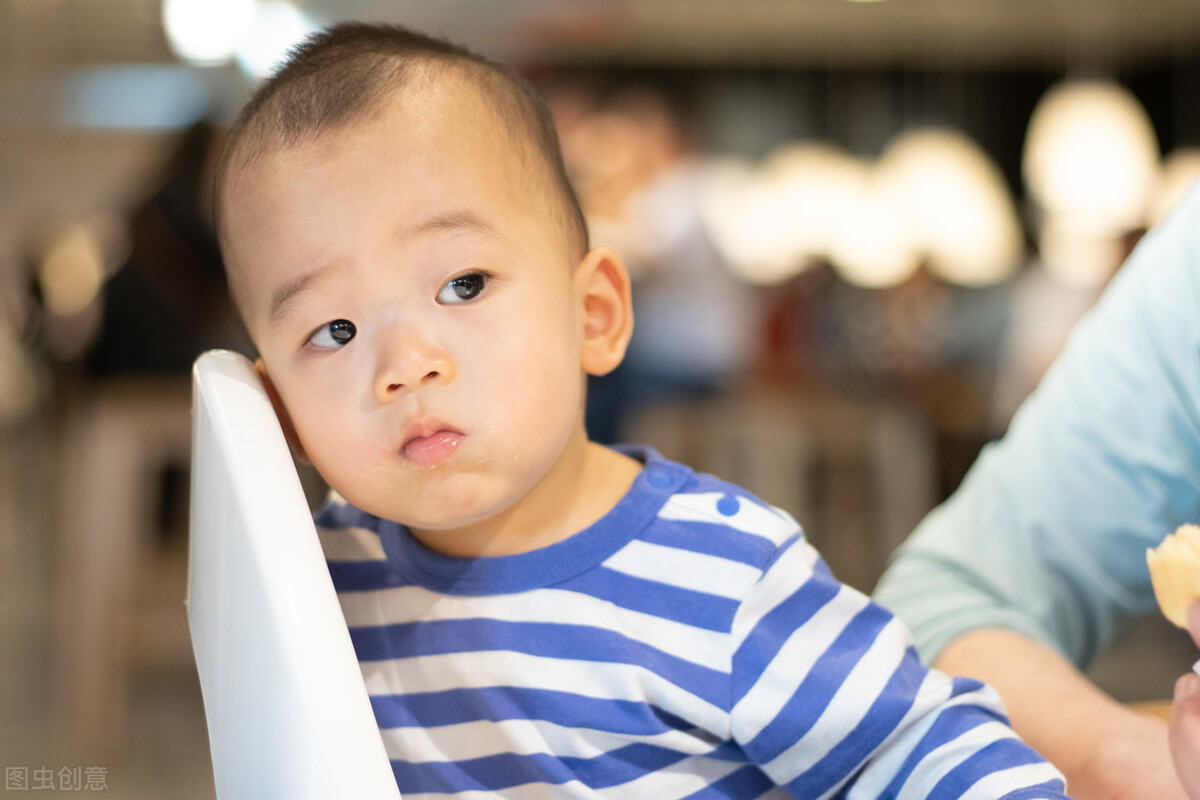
column 536, row 615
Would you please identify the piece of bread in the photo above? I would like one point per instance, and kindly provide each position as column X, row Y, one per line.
column 1175, row 572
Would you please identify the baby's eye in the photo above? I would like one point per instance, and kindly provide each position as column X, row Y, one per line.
column 333, row 335
column 463, row 288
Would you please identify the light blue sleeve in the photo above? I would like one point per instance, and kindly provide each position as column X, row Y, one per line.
column 1047, row 534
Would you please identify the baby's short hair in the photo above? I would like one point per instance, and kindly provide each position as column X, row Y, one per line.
column 345, row 73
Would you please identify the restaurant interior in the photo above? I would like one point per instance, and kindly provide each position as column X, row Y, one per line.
column 859, row 232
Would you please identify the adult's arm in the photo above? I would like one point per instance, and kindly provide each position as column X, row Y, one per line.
column 1104, row 749
column 1046, row 537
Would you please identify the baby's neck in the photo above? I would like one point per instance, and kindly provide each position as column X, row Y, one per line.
column 573, row 497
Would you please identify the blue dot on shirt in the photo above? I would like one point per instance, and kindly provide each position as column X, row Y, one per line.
column 658, row 478
column 728, row 505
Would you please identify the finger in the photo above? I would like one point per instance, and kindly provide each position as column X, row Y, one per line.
column 1193, row 618
column 1186, row 686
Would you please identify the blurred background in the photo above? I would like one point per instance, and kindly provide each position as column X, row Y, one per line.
column 859, row 232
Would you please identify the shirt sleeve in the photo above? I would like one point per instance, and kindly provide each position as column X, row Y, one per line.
column 1048, row 532
column 830, row 699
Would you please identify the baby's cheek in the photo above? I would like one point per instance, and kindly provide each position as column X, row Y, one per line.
column 377, row 459
column 355, row 452
column 340, row 456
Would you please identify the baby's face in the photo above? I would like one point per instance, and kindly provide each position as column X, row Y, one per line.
column 418, row 313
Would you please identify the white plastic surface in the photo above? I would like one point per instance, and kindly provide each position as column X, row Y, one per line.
column 288, row 713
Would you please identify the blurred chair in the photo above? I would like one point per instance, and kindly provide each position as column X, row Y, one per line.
column 116, row 441
column 857, row 472
column 288, row 712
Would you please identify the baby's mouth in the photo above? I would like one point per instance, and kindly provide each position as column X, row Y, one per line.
column 431, row 445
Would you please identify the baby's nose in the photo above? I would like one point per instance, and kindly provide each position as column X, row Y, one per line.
column 412, row 364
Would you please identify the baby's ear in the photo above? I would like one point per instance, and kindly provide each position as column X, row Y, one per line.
column 602, row 284
column 285, row 420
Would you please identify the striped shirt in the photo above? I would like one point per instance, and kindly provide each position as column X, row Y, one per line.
column 689, row 644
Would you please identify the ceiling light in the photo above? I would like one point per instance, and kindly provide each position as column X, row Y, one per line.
column 1091, row 157
column 872, row 244
column 206, row 31
column 812, row 186
column 739, row 213
column 773, row 221
column 278, row 26
column 956, row 204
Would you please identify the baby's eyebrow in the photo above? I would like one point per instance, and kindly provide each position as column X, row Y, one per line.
column 284, row 295
column 463, row 221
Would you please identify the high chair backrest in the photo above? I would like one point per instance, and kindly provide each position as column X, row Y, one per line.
column 288, row 712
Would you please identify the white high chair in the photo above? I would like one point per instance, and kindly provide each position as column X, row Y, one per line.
column 288, row 712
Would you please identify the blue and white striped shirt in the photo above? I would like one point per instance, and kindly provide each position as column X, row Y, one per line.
column 689, row 644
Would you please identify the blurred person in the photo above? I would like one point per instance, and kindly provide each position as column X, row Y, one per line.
column 1044, row 310
column 1037, row 560
column 641, row 180
column 20, row 378
column 1045, row 307
column 532, row 611
column 168, row 302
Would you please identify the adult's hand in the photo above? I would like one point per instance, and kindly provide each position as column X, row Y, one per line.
column 1105, row 750
column 1185, row 719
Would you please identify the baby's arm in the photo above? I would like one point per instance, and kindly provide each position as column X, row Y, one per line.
column 1185, row 719
column 829, row 698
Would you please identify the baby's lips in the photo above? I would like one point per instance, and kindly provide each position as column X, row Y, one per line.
column 432, row 450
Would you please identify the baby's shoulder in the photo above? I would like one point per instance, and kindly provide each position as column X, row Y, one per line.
column 723, row 515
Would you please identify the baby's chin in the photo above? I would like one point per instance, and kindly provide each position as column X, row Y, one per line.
column 437, row 515
column 438, row 496
column 464, row 529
